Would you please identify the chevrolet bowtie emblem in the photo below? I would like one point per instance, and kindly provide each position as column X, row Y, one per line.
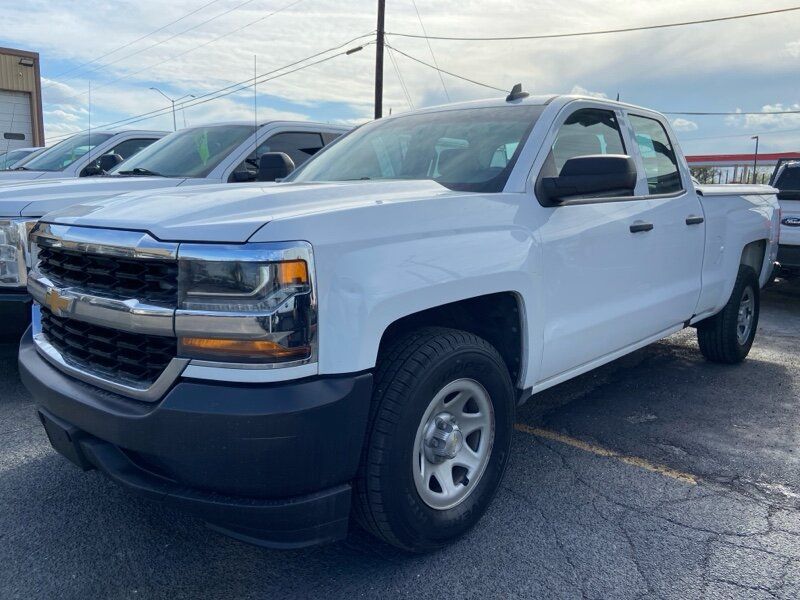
column 56, row 302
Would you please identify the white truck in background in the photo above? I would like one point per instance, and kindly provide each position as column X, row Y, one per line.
column 82, row 155
column 787, row 180
column 357, row 338
column 208, row 154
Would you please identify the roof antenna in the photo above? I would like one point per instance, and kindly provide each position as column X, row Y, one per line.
column 517, row 93
column 617, row 96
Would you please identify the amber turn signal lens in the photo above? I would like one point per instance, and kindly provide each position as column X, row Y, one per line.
column 252, row 350
column 292, row 272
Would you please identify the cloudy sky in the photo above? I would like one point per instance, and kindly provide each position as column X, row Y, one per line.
column 199, row 46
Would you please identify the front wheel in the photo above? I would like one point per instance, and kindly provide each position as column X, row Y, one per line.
column 728, row 336
column 439, row 438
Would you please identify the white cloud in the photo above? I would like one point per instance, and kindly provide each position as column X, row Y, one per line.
column 579, row 90
column 769, row 118
column 681, row 124
column 792, row 49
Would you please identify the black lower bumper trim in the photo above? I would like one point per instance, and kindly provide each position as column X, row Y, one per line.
column 789, row 257
column 287, row 523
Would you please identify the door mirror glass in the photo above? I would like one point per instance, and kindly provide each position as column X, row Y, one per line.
column 600, row 175
column 274, row 165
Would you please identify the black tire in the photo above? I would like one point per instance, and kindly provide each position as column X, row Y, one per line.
column 718, row 335
column 410, row 372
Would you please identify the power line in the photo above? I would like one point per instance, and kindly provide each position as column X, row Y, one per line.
column 150, row 67
column 232, row 88
column 422, row 62
column 400, row 77
column 738, row 135
column 430, row 48
column 167, row 39
column 734, row 114
column 131, row 43
column 599, row 32
column 204, row 44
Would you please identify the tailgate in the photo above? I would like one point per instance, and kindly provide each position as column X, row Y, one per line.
column 790, row 222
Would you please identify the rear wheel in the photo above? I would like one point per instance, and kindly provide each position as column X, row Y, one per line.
column 728, row 336
column 439, row 437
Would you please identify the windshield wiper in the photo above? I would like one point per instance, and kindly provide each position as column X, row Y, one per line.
column 139, row 171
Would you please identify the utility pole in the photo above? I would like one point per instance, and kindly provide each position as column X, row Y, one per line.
column 755, row 158
column 173, row 101
column 379, row 59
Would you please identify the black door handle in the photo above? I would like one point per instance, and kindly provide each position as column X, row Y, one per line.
column 692, row 220
column 640, row 226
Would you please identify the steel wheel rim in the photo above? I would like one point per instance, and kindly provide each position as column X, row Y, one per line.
column 746, row 316
column 444, row 482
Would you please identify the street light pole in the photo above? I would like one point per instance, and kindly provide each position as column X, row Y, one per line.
column 379, row 59
column 755, row 158
column 173, row 101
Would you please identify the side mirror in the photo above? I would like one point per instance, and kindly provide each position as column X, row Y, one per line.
column 108, row 162
column 607, row 174
column 242, row 176
column 274, row 165
column 102, row 165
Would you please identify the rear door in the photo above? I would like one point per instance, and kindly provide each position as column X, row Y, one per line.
column 678, row 234
column 597, row 271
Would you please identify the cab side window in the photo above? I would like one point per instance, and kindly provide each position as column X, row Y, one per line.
column 658, row 155
column 586, row 132
column 128, row 148
column 299, row 146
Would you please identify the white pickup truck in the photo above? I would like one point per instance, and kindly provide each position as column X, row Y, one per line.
column 357, row 338
column 202, row 155
column 82, row 155
column 787, row 181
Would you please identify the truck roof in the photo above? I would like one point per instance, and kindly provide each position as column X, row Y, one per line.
column 336, row 126
column 537, row 100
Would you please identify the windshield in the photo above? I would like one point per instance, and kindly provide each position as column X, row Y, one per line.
column 63, row 154
column 789, row 180
column 12, row 157
column 191, row 152
column 470, row 149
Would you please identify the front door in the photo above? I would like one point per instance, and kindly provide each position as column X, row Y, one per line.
column 596, row 257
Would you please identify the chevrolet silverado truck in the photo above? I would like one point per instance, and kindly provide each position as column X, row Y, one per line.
column 787, row 181
column 354, row 341
column 82, row 155
column 209, row 154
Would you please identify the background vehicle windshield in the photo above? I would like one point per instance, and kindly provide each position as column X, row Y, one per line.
column 12, row 157
column 63, row 154
column 192, row 152
column 470, row 149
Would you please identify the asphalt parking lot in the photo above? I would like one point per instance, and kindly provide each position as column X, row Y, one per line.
column 657, row 476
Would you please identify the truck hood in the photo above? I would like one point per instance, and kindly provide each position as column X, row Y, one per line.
column 233, row 213
column 13, row 176
column 38, row 197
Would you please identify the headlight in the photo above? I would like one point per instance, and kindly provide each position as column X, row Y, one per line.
column 252, row 303
column 14, row 251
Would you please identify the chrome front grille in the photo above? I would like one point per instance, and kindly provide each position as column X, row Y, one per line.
column 128, row 358
column 148, row 280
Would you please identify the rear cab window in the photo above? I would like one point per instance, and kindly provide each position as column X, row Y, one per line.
column 658, row 155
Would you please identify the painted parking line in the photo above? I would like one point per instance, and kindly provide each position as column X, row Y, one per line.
column 635, row 461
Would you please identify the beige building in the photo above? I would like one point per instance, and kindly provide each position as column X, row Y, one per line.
column 21, row 121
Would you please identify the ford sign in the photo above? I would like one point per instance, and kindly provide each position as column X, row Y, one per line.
column 791, row 221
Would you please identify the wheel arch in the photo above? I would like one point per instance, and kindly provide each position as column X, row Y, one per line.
column 499, row 318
